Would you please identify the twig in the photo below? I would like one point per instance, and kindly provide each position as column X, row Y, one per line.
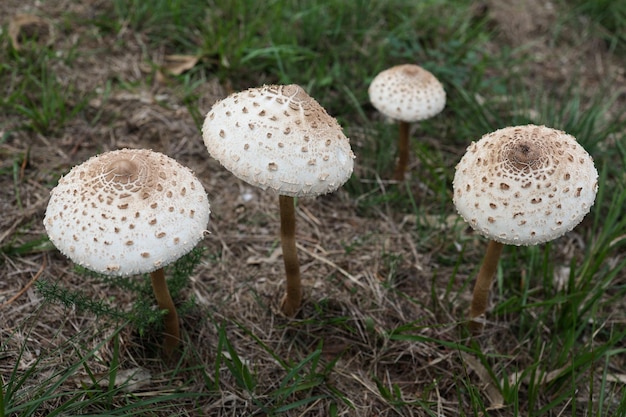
column 27, row 286
column 332, row 264
column 10, row 229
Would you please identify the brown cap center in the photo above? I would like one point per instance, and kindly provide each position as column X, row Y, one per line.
column 524, row 154
column 122, row 171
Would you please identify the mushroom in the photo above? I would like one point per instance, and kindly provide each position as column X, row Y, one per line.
column 407, row 93
column 277, row 137
column 521, row 185
column 128, row 212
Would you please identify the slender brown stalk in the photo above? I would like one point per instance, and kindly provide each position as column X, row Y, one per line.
column 293, row 290
column 164, row 300
column 480, row 297
column 403, row 152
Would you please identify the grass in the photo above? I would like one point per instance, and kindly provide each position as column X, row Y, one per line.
column 388, row 268
column 32, row 89
column 610, row 18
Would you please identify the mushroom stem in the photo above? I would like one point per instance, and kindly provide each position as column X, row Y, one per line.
column 164, row 300
column 480, row 297
column 403, row 152
column 293, row 291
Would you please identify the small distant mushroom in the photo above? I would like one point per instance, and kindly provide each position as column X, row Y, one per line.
column 407, row 93
column 278, row 137
column 521, row 185
column 128, row 212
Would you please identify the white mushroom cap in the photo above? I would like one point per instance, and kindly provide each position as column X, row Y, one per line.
column 525, row 185
column 127, row 212
column 408, row 93
column 278, row 137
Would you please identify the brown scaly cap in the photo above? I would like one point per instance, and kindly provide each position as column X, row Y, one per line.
column 408, row 93
column 127, row 212
column 525, row 185
column 278, row 137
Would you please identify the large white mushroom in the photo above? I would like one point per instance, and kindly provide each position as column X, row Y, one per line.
column 521, row 185
column 278, row 137
column 128, row 212
column 407, row 93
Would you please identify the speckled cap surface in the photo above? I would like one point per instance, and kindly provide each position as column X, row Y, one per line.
column 525, row 185
column 127, row 212
column 408, row 93
column 278, row 137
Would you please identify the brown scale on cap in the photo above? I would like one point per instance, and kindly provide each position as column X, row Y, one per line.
column 540, row 184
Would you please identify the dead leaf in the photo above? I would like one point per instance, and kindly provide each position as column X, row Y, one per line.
column 257, row 260
column 562, row 275
column 177, row 64
column 128, row 380
column 541, row 378
column 492, row 392
column 616, row 378
column 29, row 26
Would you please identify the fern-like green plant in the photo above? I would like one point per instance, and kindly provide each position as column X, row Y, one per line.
column 142, row 315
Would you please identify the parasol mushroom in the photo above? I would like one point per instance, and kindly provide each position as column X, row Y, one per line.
column 278, row 137
column 407, row 93
column 128, row 212
column 521, row 185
